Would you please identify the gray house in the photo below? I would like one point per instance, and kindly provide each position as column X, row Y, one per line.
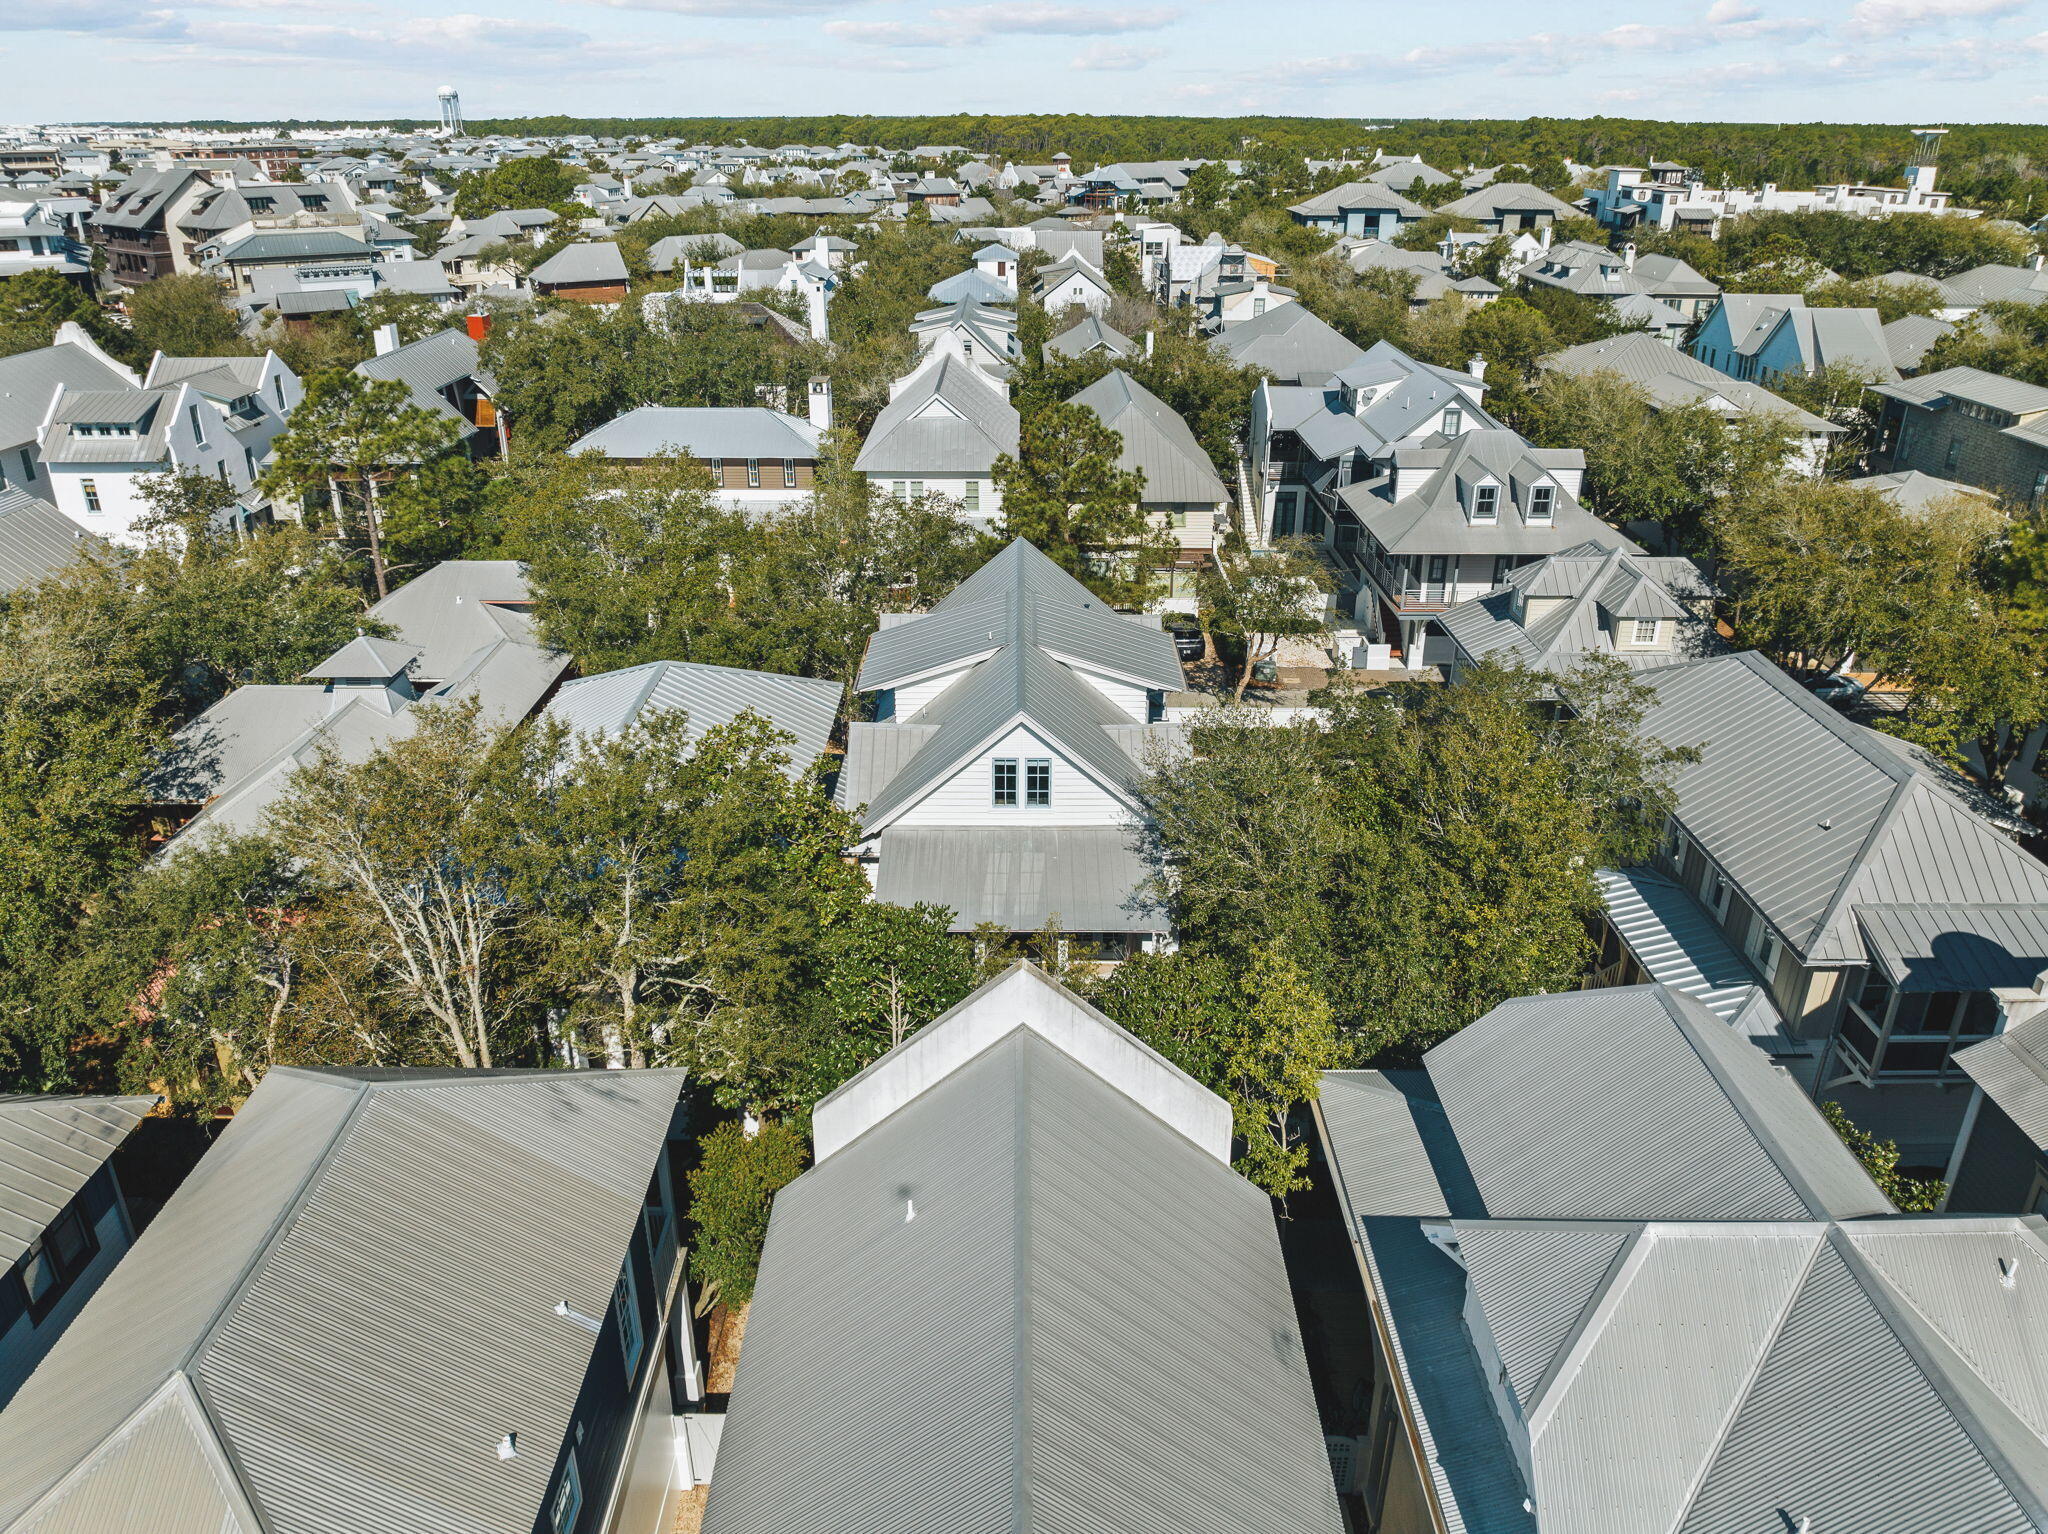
column 999, row 776
column 1622, row 1276
column 945, row 425
column 1816, row 886
column 1968, row 425
column 1183, row 496
column 63, row 1222
column 965, row 1320
column 1359, row 208
column 1592, row 599
column 386, row 1302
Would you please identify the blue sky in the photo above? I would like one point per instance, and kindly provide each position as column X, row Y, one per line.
column 1750, row 60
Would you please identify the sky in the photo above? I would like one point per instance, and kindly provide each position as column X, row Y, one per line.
column 1941, row 61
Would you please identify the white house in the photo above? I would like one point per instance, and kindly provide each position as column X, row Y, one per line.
column 1070, row 282
column 940, row 434
column 29, row 381
column 999, row 777
column 207, row 415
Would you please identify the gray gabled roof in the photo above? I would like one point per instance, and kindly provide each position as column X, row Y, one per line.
column 961, row 1323
column 1289, row 342
column 1935, row 390
column 50, row 1147
column 1909, row 338
column 345, row 1307
column 1599, row 584
column 1432, row 517
column 1490, row 202
column 449, row 611
column 426, row 367
column 1372, row 195
column 1811, row 815
column 1671, row 377
column 295, row 245
column 36, row 539
column 1157, row 442
column 948, row 420
column 1091, row 334
column 29, row 379
column 599, row 261
column 735, row 431
column 365, row 657
column 611, row 702
column 2012, row 1068
column 1088, row 878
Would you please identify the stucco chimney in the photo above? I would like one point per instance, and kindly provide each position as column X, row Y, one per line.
column 821, row 402
column 385, row 338
column 1477, row 367
column 1628, row 256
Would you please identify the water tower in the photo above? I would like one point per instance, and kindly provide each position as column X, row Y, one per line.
column 451, row 111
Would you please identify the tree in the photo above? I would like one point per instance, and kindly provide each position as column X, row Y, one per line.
column 1257, row 1034
column 1263, row 599
column 1207, row 185
column 731, row 1189
column 410, row 853
column 1880, row 1158
column 1065, row 493
column 1511, row 336
column 892, row 969
column 352, row 431
column 34, row 303
column 529, row 181
column 185, row 316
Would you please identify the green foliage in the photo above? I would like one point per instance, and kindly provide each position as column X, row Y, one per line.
column 185, row 316
column 527, row 182
column 1426, row 856
column 1891, row 300
column 2010, row 339
column 1256, row 1032
column 34, row 303
column 731, row 1190
column 1261, row 599
column 1880, row 1158
column 1855, row 247
column 1065, row 493
column 1428, row 233
column 891, row 970
column 563, row 370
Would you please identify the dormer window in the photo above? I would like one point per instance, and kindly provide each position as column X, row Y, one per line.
column 1486, row 503
column 1542, row 503
column 1454, row 421
column 1643, row 631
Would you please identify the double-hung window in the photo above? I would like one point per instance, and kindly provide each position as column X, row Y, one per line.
column 92, row 494
column 1486, row 503
column 971, row 499
column 753, row 473
column 626, row 1308
column 717, row 468
column 789, row 473
column 1038, row 784
column 1454, row 421
column 1542, row 502
column 1003, row 784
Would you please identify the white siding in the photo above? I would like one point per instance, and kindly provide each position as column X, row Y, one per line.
column 914, row 697
column 1130, row 700
column 966, row 800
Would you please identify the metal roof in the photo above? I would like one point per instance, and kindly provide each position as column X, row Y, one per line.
column 1088, row 877
column 1957, row 947
column 2012, row 1068
column 1681, row 946
column 609, row 704
column 1670, row 377
column 354, row 1294
column 1432, row 517
column 1651, row 1108
column 1157, row 442
column 1374, row 196
column 738, row 431
column 1290, row 343
column 1490, row 202
column 456, row 607
column 1965, row 383
column 1091, row 334
column 1811, row 815
column 598, row 261
column 35, row 538
column 49, row 1149
column 295, row 245
column 949, row 419
column 1600, row 585
column 426, row 367
column 365, row 657
column 1040, row 1347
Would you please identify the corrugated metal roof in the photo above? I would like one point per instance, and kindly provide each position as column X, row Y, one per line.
column 1966, row 383
column 1811, row 815
column 597, row 261
column 358, row 1285
column 1018, row 877
column 1091, row 334
column 739, row 431
column 28, row 379
column 1156, row 441
column 35, row 539
column 450, row 611
column 1680, row 945
column 2012, row 1068
column 608, row 704
column 295, row 245
column 426, row 367
column 1040, row 1348
column 1671, row 377
column 949, row 420
column 1651, row 1108
column 50, row 1146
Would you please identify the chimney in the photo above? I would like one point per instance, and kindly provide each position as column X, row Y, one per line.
column 385, row 338
column 2039, row 260
column 1628, row 256
column 1545, row 236
column 478, row 326
column 1477, row 367
column 1150, row 336
column 821, row 402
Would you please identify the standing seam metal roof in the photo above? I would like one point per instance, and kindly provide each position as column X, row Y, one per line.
column 50, row 1146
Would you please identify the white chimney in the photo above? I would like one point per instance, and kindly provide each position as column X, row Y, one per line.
column 1477, row 367
column 1628, row 256
column 385, row 338
column 1149, row 338
column 821, row 402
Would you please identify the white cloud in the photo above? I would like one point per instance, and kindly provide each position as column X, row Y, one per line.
column 1892, row 18
column 752, row 10
column 893, row 34
column 1055, row 20
column 1113, row 57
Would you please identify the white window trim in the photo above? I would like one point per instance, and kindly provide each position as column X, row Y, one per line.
column 1636, row 634
column 1490, row 515
column 567, row 1505
column 626, row 1307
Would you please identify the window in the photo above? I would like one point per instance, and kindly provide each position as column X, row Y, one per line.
column 1004, row 785
column 2040, row 489
column 1258, row 307
column 1178, row 517
column 753, row 473
column 1283, row 514
column 789, row 473
column 1763, row 947
column 1486, row 503
column 53, row 1262
column 28, row 466
column 717, row 468
column 277, row 389
column 626, row 1310
column 92, row 494
column 1454, row 421
column 971, row 497
column 1643, row 631
column 1955, row 449
column 1439, row 568
column 1542, row 498
column 1718, row 892
column 1038, row 784
column 1675, row 846
column 901, row 489
column 916, row 488
column 198, row 431
column 568, row 1503
column 1503, row 566
column 249, row 461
